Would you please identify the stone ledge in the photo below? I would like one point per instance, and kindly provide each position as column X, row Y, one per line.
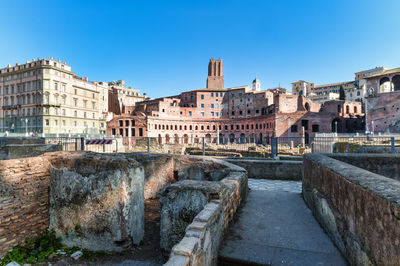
column 357, row 208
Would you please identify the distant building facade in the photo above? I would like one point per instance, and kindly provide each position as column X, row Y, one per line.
column 240, row 114
column 45, row 96
column 382, row 104
column 120, row 96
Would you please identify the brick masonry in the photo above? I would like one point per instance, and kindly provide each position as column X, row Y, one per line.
column 24, row 198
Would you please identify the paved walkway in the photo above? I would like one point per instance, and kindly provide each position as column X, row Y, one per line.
column 275, row 227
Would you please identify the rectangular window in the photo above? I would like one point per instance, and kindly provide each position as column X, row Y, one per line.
column 127, row 123
column 293, row 128
column 47, row 122
column 140, row 132
column 113, row 131
column 190, row 113
column 212, row 94
column 202, row 97
column 133, row 132
column 126, row 132
column 202, row 105
column 315, row 128
column 202, row 113
column 212, row 105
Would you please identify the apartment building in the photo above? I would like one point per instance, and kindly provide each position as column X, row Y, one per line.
column 45, row 96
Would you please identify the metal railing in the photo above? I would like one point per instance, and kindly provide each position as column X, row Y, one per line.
column 230, row 147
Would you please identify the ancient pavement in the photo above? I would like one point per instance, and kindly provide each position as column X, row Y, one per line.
column 275, row 227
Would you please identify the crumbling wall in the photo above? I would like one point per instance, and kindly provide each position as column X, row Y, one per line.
column 195, row 231
column 359, row 210
column 99, row 203
column 271, row 168
column 383, row 164
column 24, row 198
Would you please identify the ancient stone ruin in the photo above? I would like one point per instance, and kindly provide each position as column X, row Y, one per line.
column 97, row 201
column 98, row 204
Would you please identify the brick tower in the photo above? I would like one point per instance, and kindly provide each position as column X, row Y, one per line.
column 215, row 79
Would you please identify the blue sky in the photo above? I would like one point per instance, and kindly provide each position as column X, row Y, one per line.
column 163, row 47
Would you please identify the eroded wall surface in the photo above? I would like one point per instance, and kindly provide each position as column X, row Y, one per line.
column 359, row 210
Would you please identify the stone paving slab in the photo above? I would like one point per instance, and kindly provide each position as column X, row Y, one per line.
column 275, row 185
column 275, row 227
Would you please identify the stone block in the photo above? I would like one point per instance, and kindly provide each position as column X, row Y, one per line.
column 186, row 246
column 99, row 205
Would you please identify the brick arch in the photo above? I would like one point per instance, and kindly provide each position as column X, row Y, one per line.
column 396, row 82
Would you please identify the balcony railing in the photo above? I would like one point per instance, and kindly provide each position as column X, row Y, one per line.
column 11, row 107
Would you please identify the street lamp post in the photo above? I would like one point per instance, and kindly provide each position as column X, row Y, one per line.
column 336, row 129
column 372, row 125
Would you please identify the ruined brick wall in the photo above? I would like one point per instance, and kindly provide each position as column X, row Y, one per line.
column 24, row 198
column 24, row 207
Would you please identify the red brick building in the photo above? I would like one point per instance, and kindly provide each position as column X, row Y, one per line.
column 239, row 114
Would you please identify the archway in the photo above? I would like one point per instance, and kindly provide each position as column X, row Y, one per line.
column 176, row 137
column 166, row 138
column 242, row 138
column 335, row 125
column 307, row 106
column 185, row 139
column 221, row 138
column 396, row 83
column 260, row 140
column 231, row 138
column 384, row 85
column 252, row 138
column 208, row 138
column 159, row 139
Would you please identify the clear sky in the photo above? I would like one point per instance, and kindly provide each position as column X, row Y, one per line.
column 163, row 47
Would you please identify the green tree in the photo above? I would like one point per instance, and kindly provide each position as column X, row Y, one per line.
column 342, row 94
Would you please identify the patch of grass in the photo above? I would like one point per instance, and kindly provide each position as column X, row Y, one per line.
column 39, row 249
column 34, row 250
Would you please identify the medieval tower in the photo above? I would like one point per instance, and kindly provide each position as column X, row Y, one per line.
column 215, row 79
